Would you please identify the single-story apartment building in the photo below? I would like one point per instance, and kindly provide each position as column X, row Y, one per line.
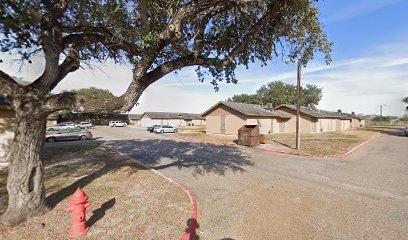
column 94, row 118
column 356, row 121
column 134, row 119
column 228, row 117
column 314, row 120
column 171, row 118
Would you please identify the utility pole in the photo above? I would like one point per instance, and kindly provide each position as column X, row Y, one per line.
column 381, row 112
column 298, row 106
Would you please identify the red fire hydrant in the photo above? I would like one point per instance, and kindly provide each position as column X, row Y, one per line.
column 78, row 203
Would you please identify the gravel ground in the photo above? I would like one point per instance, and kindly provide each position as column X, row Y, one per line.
column 248, row 194
column 128, row 202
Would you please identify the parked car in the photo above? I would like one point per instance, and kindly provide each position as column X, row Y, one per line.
column 61, row 126
column 84, row 125
column 117, row 124
column 68, row 134
column 406, row 130
column 165, row 129
column 150, row 129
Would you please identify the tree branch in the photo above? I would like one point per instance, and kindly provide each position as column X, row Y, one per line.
column 87, row 38
column 46, row 83
column 8, row 85
column 198, row 40
column 142, row 79
column 173, row 30
column 144, row 14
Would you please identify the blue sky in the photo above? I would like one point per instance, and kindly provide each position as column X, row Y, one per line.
column 370, row 67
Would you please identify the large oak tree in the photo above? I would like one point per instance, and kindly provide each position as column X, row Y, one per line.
column 156, row 37
column 277, row 93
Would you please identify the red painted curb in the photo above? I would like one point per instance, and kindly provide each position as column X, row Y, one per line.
column 190, row 232
column 284, row 152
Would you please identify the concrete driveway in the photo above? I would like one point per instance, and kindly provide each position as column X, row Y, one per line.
column 248, row 194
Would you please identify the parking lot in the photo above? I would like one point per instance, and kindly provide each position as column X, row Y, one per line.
column 248, row 194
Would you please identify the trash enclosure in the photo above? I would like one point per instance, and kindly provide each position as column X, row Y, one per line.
column 248, row 135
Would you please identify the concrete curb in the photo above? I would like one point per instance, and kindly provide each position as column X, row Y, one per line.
column 190, row 232
column 284, row 152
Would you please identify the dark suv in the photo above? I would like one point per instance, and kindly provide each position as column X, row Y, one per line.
column 150, row 129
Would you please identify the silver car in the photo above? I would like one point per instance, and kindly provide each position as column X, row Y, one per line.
column 68, row 134
column 165, row 129
column 61, row 126
column 84, row 125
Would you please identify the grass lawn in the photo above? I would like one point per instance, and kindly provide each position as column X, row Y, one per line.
column 192, row 129
column 128, row 201
column 321, row 144
column 212, row 137
column 314, row 144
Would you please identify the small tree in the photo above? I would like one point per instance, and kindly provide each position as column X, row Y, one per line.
column 405, row 100
column 311, row 95
column 156, row 37
column 245, row 98
column 95, row 93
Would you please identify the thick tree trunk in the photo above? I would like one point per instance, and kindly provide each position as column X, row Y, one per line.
column 25, row 184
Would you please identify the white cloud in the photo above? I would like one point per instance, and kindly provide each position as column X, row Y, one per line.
column 160, row 97
column 357, row 84
column 356, row 9
column 361, row 84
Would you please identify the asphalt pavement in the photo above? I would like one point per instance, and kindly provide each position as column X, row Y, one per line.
column 248, row 194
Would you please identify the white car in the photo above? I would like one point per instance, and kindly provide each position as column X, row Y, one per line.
column 117, row 124
column 84, row 125
column 165, row 129
column 61, row 126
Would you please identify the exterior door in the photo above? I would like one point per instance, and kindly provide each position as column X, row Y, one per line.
column 222, row 124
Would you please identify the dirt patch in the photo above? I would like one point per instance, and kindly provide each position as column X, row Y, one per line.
column 128, row 201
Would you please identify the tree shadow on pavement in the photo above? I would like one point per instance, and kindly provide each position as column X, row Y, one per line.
column 202, row 157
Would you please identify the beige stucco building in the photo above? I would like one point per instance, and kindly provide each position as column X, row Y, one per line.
column 228, row 117
column 356, row 121
column 171, row 118
column 315, row 120
column 134, row 119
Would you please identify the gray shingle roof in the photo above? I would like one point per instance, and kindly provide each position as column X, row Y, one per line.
column 135, row 116
column 317, row 113
column 252, row 110
column 173, row 115
column 353, row 116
